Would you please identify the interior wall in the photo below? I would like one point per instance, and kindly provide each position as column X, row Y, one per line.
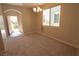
column 1, row 39
column 78, row 29
column 68, row 30
column 27, row 17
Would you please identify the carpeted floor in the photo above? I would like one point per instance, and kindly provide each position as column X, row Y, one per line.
column 37, row 45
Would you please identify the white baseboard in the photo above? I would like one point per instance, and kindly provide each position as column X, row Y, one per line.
column 59, row 40
column 67, row 43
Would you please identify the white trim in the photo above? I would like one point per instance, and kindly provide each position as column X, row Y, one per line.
column 12, row 10
column 73, row 45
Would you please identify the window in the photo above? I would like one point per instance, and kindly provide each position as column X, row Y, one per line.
column 55, row 16
column 46, row 16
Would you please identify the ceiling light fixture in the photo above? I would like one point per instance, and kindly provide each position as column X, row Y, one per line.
column 37, row 9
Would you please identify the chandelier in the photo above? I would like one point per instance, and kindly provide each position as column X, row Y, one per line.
column 37, row 9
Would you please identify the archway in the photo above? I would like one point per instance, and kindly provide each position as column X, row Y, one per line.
column 14, row 20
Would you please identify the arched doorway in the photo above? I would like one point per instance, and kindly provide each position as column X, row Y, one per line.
column 14, row 20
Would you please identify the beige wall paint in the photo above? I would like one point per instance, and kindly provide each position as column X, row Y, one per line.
column 1, row 40
column 68, row 29
column 0, row 9
column 78, row 29
column 27, row 17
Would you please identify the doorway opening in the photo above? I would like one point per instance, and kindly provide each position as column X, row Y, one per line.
column 14, row 27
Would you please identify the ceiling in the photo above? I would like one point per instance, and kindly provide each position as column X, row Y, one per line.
column 30, row 5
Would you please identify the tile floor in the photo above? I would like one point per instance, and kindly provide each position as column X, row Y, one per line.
column 37, row 45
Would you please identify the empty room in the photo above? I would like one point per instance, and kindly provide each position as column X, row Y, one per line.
column 39, row 29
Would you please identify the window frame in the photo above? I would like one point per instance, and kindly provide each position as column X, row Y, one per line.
column 59, row 12
column 51, row 15
column 43, row 17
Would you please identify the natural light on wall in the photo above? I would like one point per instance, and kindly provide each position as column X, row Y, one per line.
column 51, row 16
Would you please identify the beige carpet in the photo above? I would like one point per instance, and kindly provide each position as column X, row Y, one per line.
column 37, row 45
